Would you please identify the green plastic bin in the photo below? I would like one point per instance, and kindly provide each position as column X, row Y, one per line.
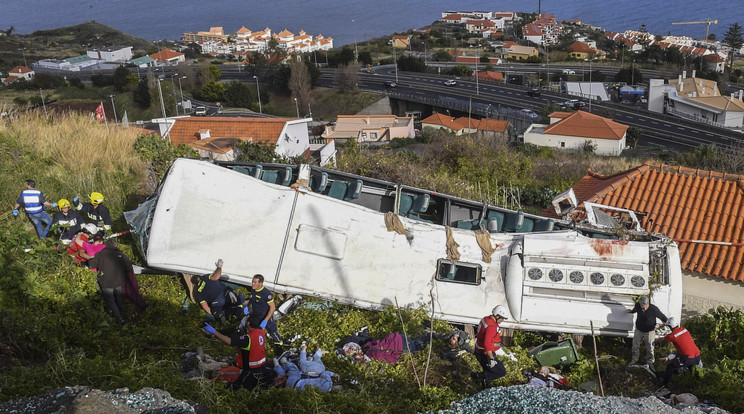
column 555, row 354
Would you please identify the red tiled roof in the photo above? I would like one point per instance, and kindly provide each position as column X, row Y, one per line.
column 684, row 204
column 489, row 125
column 467, row 59
column 490, row 75
column 580, row 47
column 165, row 55
column 186, row 130
column 20, row 69
column 446, row 121
column 585, row 124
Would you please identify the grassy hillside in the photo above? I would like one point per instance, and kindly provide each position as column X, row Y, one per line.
column 62, row 43
column 54, row 331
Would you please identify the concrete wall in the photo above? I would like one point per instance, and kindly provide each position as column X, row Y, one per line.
column 700, row 293
column 603, row 146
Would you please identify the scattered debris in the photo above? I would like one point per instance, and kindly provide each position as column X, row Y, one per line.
column 83, row 400
column 528, row 399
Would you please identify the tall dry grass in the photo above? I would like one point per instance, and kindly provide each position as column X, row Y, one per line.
column 68, row 154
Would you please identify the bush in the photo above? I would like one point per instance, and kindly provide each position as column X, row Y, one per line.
column 160, row 153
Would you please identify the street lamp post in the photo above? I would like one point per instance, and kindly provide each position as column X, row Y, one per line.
column 181, row 89
column 395, row 62
column 590, row 86
column 356, row 49
column 297, row 106
column 258, row 92
column 477, row 58
column 113, row 105
column 162, row 107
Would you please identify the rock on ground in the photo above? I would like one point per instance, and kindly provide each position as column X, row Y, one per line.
column 528, row 399
column 83, row 400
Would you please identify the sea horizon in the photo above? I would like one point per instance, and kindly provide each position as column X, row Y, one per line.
column 350, row 22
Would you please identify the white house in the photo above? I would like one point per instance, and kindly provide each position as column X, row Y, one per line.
column 696, row 99
column 112, row 54
column 574, row 130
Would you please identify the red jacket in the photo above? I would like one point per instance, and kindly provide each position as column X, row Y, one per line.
column 256, row 349
column 683, row 342
column 489, row 336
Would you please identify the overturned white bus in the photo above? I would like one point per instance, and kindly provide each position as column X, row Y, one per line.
column 370, row 243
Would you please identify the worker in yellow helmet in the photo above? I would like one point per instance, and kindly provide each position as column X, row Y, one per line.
column 94, row 211
column 67, row 221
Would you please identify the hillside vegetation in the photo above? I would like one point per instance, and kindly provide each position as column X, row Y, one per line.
column 63, row 42
column 54, row 331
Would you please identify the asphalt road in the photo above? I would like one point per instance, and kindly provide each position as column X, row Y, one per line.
column 658, row 130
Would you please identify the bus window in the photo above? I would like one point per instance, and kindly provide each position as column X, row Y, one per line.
column 459, row 272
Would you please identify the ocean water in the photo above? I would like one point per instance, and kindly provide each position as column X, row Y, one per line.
column 354, row 21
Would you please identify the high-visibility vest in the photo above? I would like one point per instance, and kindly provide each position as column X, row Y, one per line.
column 32, row 201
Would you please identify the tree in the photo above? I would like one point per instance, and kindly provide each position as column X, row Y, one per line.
column 299, row 83
column 411, row 64
column 461, row 70
column 100, row 81
column 257, row 152
column 214, row 73
column 442, row 56
column 120, row 79
column 314, row 72
column 238, row 94
column 213, row 91
column 733, row 39
column 632, row 136
column 141, row 95
column 629, row 76
column 347, row 76
column 365, row 58
column 643, row 39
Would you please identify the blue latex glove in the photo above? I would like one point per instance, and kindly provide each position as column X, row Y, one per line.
column 75, row 200
column 246, row 310
column 209, row 328
column 15, row 213
column 54, row 205
column 263, row 324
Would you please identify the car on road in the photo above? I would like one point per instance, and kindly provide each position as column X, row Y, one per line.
column 533, row 92
column 200, row 111
column 579, row 105
column 568, row 72
column 569, row 103
column 450, row 82
column 390, row 84
column 529, row 113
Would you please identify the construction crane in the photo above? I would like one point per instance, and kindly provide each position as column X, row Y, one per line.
column 707, row 22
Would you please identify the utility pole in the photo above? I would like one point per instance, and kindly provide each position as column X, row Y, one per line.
column 258, row 92
column 395, row 62
column 116, row 120
column 162, row 107
column 43, row 104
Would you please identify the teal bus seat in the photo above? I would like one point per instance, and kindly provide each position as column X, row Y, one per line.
column 468, row 224
column 527, row 225
column 252, row 171
column 318, row 183
column 543, row 225
column 513, row 221
column 495, row 221
column 338, row 189
column 405, row 204
column 354, row 190
column 270, row 176
column 286, row 176
column 421, row 203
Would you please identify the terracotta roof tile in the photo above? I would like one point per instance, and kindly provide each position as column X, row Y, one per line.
column 186, row 130
column 585, row 124
column 685, row 204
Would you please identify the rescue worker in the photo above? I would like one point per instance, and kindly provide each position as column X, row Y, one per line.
column 645, row 330
column 68, row 222
column 213, row 296
column 112, row 266
column 263, row 307
column 488, row 345
column 686, row 354
column 94, row 211
column 256, row 373
column 458, row 343
column 33, row 202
